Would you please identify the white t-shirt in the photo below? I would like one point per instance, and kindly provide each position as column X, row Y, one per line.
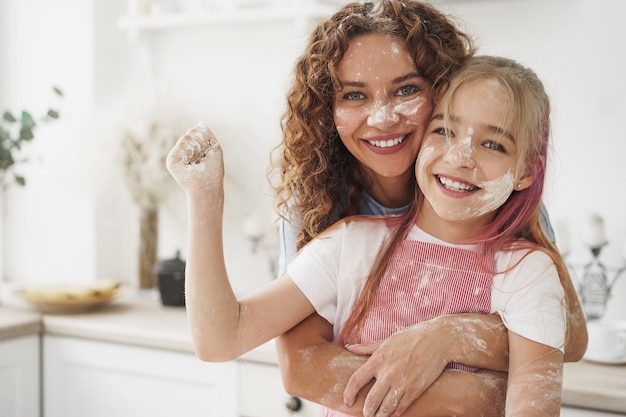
column 332, row 270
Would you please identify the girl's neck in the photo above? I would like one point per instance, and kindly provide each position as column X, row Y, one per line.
column 454, row 232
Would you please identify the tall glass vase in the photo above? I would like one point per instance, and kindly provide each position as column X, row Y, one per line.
column 148, row 241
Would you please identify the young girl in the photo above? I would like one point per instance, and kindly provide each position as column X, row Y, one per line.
column 471, row 242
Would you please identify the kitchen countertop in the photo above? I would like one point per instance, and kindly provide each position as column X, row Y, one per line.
column 16, row 322
column 135, row 318
column 140, row 319
column 595, row 386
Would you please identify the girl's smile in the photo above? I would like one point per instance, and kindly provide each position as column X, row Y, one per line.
column 468, row 165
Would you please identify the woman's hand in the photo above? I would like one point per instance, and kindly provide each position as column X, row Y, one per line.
column 403, row 366
column 407, row 363
column 196, row 161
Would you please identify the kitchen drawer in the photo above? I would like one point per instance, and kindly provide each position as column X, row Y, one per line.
column 100, row 379
column 19, row 376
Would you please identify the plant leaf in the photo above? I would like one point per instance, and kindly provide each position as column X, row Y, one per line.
column 26, row 133
column 58, row 91
column 8, row 117
column 53, row 114
column 27, row 120
column 6, row 160
column 20, row 180
column 4, row 135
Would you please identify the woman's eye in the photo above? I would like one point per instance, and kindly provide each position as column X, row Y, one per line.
column 408, row 90
column 353, row 95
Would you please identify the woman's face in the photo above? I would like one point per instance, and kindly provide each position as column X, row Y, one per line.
column 468, row 168
column 384, row 105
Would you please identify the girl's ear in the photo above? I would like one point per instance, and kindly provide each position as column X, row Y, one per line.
column 530, row 175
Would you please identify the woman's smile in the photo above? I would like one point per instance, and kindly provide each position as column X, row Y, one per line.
column 387, row 144
column 383, row 107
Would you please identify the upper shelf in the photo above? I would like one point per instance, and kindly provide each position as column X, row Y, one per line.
column 183, row 19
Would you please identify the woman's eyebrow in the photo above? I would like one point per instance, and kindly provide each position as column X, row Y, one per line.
column 405, row 77
column 396, row 80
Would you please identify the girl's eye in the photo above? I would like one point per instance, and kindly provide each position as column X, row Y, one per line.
column 353, row 95
column 495, row 146
column 443, row 131
column 408, row 90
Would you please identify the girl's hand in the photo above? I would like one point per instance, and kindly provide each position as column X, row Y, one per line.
column 404, row 366
column 196, row 161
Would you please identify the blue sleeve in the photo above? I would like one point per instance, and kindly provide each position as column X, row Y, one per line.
column 287, row 234
column 545, row 223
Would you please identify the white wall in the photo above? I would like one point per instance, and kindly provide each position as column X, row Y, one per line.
column 49, row 225
column 75, row 219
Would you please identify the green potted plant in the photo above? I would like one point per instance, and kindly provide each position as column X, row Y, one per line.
column 14, row 133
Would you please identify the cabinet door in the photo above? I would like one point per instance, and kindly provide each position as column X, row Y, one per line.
column 261, row 394
column 100, row 379
column 19, row 377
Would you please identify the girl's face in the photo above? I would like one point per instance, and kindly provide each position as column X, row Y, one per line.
column 468, row 169
column 383, row 108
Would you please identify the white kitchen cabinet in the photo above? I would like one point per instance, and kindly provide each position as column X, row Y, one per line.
column 19, row 377
column 261, row 394
column 580, row 412
column 101, row 379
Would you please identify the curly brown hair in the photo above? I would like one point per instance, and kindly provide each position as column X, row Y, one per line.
column 314, row 167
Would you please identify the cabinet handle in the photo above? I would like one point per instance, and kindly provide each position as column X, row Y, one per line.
column 293, row 404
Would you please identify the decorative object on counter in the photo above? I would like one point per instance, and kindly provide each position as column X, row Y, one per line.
column 170, row 275
column 70, row 298
column 596, row 283
column 607, row 341
column 145, row 144
column 14, row 133
column 262, row 241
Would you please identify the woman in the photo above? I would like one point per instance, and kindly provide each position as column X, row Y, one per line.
column 328, row 171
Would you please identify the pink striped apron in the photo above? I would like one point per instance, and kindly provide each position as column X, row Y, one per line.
column 424, row 281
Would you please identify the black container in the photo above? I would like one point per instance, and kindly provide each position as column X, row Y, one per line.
column 170, row 276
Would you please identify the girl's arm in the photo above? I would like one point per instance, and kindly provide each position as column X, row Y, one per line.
column 535, row 378
column 576, row 340
column 222, row 327
column 317, row 369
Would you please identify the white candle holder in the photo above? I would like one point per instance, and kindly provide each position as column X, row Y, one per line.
column 595, row 286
